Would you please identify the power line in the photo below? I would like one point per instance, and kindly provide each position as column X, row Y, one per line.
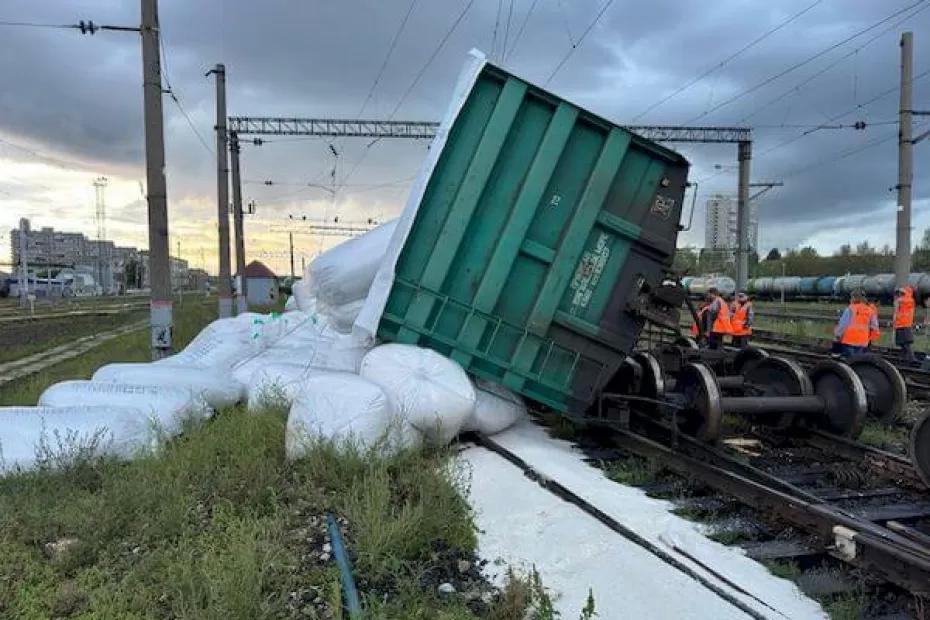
column 426, row 65
column 170, row 91
column 503, row 53
column 416, row 80
column 580, row 40
column 526, row 18
column 803, row 63
column 387, row 58
column 37, row 25
column 726, row 60
column 808, row 80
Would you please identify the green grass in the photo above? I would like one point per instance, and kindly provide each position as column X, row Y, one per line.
column 633, row 470
column 217, row 527
column 786, row 569
column 892, row 438
column 846, row 607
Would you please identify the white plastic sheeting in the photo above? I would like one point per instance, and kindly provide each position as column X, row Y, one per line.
column 33, row 436
column 166, row 406
column 429, row 390
column 275, row 385
column 366, row 325
column 496, row 409
column 345, row 407
column 216, row 387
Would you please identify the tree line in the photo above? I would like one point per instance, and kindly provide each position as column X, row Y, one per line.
column 805, row 261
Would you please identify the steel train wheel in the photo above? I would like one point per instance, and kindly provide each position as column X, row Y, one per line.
column 845, row 403
column 778, row 376
column 747, row 357
column 686, row 342
column 885, row 389
column 652, row 380
column 703, row 414
column 920, row 448
column 627, row 378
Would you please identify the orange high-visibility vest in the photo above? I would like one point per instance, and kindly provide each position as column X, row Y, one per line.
column 695, row 331
column 722, row 323
column 739, row 318
column 874, row 334
column 904, row 309
column 857, row 332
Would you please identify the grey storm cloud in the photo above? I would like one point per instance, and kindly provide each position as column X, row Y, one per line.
column 79, row 97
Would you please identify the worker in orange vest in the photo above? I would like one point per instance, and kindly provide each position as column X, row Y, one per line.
column 741, row 320
column 874, row 334
column 904, row 305
column 856, row 324
column 718, row 318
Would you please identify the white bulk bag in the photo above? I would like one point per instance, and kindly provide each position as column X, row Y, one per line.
column 32, row 436
column 344, row 273
column 343, row 316
column 344, row 354
column 219, row 345
column 168, row 406
column 428, row 389
column 345, row 407
column 275, row 385
column 302, row 295
column 496, row 409
column 216, row 387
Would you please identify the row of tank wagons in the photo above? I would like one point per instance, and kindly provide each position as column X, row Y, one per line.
column 879, row 286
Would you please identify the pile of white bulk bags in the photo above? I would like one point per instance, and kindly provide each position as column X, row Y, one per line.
column 337, row 282
column 345, row 408
column 275, row 385
column 53, row 436
column 496, row 409
column 215, row 386
column 429, row 390
column 166, row 406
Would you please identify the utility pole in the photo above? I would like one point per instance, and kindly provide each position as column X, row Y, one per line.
column 23, row 264
column 222, row 193
column 743, row 156
column 241, row 290
column 902, row 261
column 290, row 240
column 160, row 277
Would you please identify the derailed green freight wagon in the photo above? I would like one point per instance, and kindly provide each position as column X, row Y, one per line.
column 539, row 233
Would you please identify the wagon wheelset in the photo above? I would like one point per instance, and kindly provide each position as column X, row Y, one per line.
column 885, row 389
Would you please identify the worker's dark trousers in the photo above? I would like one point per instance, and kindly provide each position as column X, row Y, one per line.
column 741, row 342
column 714, row 341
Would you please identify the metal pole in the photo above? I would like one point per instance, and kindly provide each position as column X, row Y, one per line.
column 902, row 261
column 23, row 266
column 241, row 290
column 744, row 155
column 160, row 277
column 222, row 194
column 290, row 239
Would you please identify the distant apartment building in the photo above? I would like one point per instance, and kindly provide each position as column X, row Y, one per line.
column 109, row 265
column 720, row 231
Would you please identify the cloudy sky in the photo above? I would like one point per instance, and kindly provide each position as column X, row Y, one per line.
column 71, row 105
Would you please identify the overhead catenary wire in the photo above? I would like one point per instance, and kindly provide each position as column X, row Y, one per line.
column 413, row 84
column 387, row 58
column 796, row 88
column 526, row 18
column 765, row 35
column 581, row 39
column 802, row 63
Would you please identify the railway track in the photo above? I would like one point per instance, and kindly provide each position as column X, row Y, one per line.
column 32, row 364
column 874, row 518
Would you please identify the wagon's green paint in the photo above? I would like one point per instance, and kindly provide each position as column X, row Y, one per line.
column 538, row 225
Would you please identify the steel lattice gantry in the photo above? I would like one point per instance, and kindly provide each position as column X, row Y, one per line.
column 333, row 127
column 355, row 128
